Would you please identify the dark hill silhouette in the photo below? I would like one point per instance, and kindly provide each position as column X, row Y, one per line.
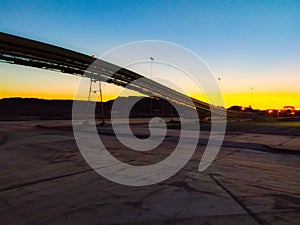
column 33, row 108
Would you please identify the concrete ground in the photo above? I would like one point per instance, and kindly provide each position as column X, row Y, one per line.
column 45, row 180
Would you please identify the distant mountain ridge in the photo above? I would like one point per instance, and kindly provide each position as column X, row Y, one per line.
column 34, row 108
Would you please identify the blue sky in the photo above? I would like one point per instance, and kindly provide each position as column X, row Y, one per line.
column 247, row 43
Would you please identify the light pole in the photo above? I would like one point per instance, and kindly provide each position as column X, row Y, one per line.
column 151, row 60
column 151, row 71
column 251, row 97
column 219, row 96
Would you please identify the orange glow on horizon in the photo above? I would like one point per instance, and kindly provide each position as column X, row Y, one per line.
column 20, row 81
column 260, row 101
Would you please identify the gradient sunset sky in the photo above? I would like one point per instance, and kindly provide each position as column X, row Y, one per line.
column 245, row 43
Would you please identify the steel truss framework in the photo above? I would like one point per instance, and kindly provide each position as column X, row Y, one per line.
column 22, row 51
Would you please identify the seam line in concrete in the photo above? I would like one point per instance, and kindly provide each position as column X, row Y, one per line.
column 237, row 200
column 28, row 183
column 286, row 141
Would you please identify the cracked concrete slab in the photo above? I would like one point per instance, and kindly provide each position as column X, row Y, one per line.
column 45, row 180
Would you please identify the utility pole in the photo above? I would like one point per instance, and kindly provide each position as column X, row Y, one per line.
column 251, row 97
column 151, row 74
column 219, row 96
